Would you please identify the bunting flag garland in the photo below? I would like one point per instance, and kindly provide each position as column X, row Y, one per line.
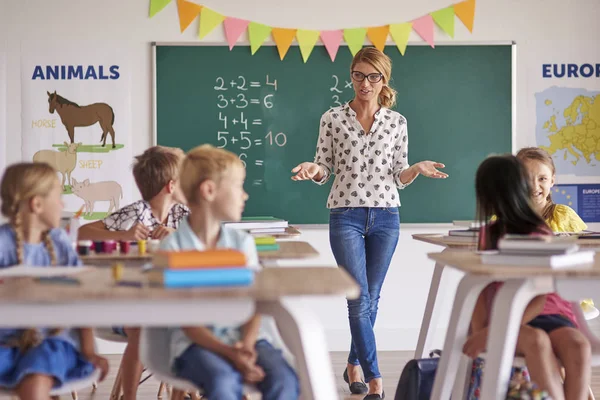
column 283, row 39
column 424, row 27
column 465, row 11
column 378, row 36
column 156, row 6
column 332, row 40
column 257, row 33
column 234, row 27
column 306, row 40
column 209, row 20
column 188, row 12
column 444, row 18
column 400, row 33
column 354, row 37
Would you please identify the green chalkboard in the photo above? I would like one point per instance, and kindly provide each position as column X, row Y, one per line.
column 457, row 100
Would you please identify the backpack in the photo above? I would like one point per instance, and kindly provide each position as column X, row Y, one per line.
column 416, row 380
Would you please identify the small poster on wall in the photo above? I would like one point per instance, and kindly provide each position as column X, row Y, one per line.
column 2, row 110
column 76, row 116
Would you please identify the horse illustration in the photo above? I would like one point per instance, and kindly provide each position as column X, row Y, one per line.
column 73, row 115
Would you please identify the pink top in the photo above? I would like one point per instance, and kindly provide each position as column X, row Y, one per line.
column 554, row 303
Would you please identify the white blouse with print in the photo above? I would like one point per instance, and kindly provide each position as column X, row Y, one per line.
column 367, row 166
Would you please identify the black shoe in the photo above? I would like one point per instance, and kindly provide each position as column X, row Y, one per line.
column 375, row 396
column 355, row 387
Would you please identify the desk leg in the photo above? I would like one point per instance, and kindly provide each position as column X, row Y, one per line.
column 428, row 315
column 507, row 312
column 464, row 303
column 303, row 334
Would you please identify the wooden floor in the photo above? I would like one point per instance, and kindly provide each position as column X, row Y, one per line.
column 390, row 364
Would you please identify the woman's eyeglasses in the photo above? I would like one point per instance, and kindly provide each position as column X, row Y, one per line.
column 373, row 78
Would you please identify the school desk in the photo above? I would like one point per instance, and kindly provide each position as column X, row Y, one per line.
column 24, row 302
column 289, row 250
column 521, row 284
column 429, row 316
column 290, row 232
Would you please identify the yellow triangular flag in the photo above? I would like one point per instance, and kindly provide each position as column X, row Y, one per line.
column 444, row 18
column 465, row 11
column 306, row 40
column 209, row 20
column 156, row 6
column 355, row 38
column 188, row 12
column 400, row 33
column 283, row 39
column 257, row 33
column 378, row 36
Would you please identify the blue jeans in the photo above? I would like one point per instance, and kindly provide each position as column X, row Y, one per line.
column 363, row 241
column 220, row 380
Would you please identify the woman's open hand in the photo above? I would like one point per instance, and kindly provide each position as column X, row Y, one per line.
column 306, row 171
column 430, row 169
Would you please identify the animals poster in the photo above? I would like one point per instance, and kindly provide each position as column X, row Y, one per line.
column 76, row 116
column 2, row 110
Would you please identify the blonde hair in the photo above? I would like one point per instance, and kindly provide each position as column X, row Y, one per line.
column 383, row 64
column 202, row 163
column 22, row 182
column 540, row 155
column 155, row 168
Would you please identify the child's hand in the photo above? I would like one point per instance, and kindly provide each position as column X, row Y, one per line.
column 241, row 359
column 136, row 232
column 101, row 363
column 254, row 375
column 249, row 351
column 161, row 232
column 476, row 343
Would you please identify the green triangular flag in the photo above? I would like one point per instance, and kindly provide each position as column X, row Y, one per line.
column 355, row 38
column 306, row 40
column 257, row 33
column 400, row 34
column 445, row 19
column 209, row 20
column 157, row 5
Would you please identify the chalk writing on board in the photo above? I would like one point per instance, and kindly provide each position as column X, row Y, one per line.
column 339, row 89
column 241, row 100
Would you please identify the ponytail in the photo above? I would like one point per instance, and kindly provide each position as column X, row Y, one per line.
column 387, row 97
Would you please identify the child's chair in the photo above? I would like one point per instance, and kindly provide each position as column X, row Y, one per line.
column 69, row 388
column 154, row 354
column 584, row 328
column 117, row 389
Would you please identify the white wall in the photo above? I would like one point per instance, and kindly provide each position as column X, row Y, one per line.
column 126, row 24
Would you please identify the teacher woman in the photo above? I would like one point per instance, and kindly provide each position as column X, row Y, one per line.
column 365, row 145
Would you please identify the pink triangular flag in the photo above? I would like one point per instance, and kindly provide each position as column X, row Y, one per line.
column 234, row 27
column 332, row 40
column 424, row 27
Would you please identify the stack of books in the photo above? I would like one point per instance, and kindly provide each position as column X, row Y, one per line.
column 260, row 225
column 468, row 233
column 266, row 243
column 179, row 269
column 538, row 251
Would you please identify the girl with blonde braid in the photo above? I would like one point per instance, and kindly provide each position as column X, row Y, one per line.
column 34, row 360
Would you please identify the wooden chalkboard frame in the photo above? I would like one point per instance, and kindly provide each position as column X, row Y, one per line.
column 511, row 43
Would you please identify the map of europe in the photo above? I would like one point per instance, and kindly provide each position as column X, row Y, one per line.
column 568, row 127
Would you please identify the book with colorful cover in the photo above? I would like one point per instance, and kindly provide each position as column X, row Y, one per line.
column 208, row 277
column 262, row 240
column 190, row 259
column 267, row 247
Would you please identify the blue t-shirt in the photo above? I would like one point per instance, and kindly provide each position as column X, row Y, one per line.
column 37, row 255
column 185, row 239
